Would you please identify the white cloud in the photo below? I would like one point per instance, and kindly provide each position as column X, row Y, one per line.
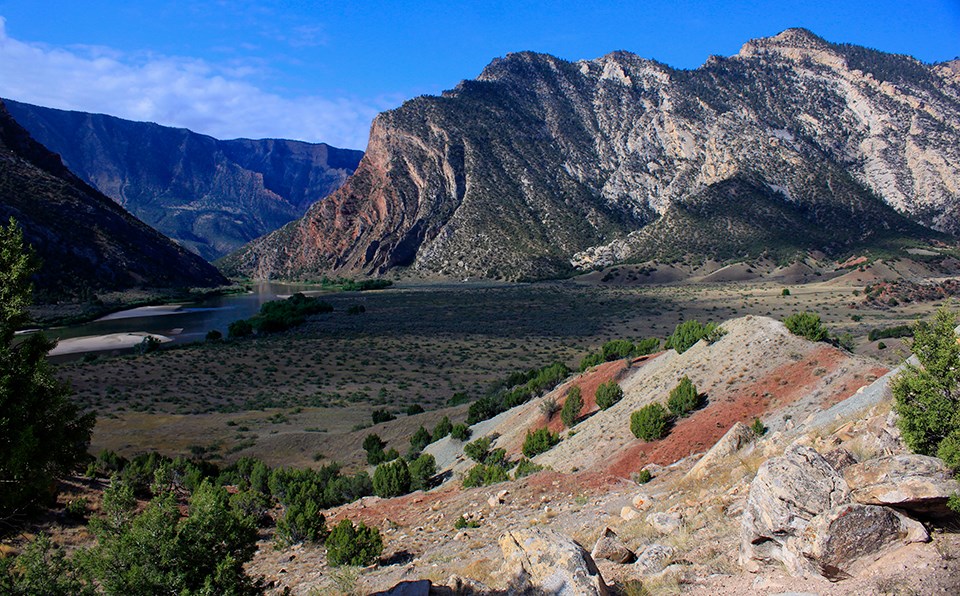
column 176, row 91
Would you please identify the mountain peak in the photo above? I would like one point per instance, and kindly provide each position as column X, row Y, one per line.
column 792, row 43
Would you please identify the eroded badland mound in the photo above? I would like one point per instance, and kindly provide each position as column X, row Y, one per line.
column 827, row 501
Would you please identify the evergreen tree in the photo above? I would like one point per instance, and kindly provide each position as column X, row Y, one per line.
column 42, row 433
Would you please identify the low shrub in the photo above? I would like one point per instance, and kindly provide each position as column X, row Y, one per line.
column 807, row 325
column 525, row 467
column 478, row 450
column 483, row 475
column 442, row 429
column 353, row 545
column 650, row 422
column 683, row 398
column 422, row 470
column 539, row 441
column 571, row 407
column 391, row 479
column 608, row 394
column 460, row 432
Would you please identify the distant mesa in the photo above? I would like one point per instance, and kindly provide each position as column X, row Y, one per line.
column 210, row 196
column 542, row 167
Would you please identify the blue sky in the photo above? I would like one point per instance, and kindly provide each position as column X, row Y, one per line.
column 320, row 71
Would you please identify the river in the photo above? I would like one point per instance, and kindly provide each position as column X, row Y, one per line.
column 174, row 323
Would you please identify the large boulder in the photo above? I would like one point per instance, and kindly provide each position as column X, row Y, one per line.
column 843, row 540
column 537, row 559
column 654, row 559
column 913, row 482
column 610, row 547
column 734, row 440
column 787, row 492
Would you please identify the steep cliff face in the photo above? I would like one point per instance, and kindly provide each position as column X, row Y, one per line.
column 542, row 163
column 209, row 195
column 86, row 241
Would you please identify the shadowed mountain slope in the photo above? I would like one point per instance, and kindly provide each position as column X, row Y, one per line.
column 86, row 241
column 209, row 195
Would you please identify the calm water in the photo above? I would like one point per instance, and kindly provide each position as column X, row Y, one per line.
column 183, row 323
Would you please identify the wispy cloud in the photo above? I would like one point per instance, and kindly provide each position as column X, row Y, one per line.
column 218, row 100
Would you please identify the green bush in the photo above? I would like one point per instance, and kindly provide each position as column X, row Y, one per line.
column 374, row 445
column 157, row 551
column 616, row 349
column 442, row 429
column 650, row 422
column 643, row 476
column 483, row 475
column 683, row 398
column 806, row 324
column 43, row 568
column 301, row 522
column 890, row 332
column 478, row 450
column 422, row 470
column 462, row 523
column 413, row 410
column 460, row 432
column 686, row 334
column 42, row 432
column 518, row 388
column 353, row 545
column 758, row 427
column 214, row 335
column 646, row 346
column 241, row 328
column 539, row 441
column 391, row 479
column 591, row 360
column 419, row 441
column 785, row 292
column 927, row 398
column 608, row 394
column 525, row 467
column 571, row 407
column 380, row 416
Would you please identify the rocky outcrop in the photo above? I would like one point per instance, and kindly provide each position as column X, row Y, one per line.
column 209, row 195
column 912, row 482
column 733, row 441
column 86, row 242
column 542, row 164
column 549, row 562
column 610, row 547
column 786, row 494
column 839, row 542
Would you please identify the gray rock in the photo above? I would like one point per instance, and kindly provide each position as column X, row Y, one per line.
column 787, row 492
column 610, row 547
column 665, row 523
column 545, row 560
column 840, row 459
column 913, row 482
column 654, row 559
column 409, row 588
column 732, row 441
column 843, row 540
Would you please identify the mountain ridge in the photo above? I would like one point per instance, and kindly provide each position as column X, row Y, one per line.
column 210, row 195
column 86, row 242
column 539, row 159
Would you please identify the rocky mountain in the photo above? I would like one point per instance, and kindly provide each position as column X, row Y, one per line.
column 209, row 195
column 86, row 241
column 541, row 165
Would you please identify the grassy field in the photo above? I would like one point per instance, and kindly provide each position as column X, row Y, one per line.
column 307, row 394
